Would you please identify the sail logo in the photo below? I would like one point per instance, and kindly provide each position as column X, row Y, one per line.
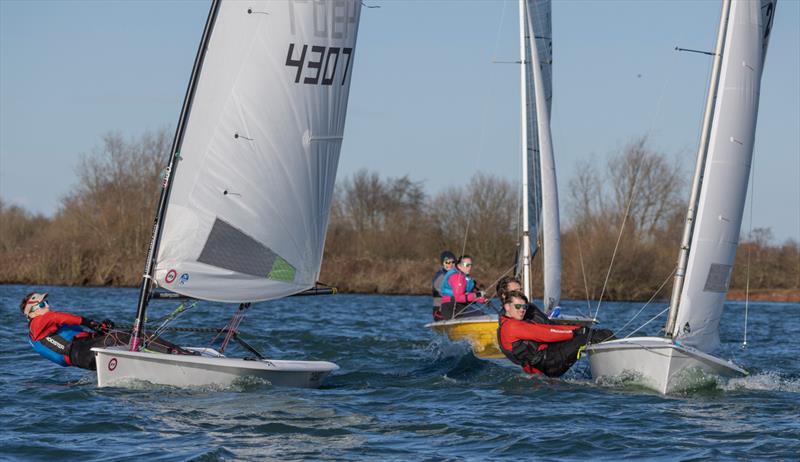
column 170, row 277
column 112, row 364
column 183, row 279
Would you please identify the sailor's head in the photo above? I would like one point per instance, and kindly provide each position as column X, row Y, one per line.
column 447, row 259
column 507, row 284
column 34, row 304
column 515, row 304
column 465, row 264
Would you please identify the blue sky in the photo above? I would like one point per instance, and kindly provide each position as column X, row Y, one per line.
column 426, row 99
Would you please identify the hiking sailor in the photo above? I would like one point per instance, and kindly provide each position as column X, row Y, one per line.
column 541, row 348
column 63, row 338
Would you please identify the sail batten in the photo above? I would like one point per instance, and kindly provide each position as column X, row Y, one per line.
column 248, row 211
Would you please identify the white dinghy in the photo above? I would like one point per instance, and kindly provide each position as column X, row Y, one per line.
column 246, row 196
column 671, row 363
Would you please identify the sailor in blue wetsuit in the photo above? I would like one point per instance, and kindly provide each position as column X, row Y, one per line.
column 65, row 339
column 447, row 260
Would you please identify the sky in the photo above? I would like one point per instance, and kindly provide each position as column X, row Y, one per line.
column 430, row 98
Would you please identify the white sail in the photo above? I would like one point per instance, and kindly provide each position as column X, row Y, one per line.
column 541, row 194
column 722, row 197
column 249, row 206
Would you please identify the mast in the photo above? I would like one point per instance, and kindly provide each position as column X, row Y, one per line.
column 526, row 238
column 551, row 233
column 697, row 179
column 147, row 277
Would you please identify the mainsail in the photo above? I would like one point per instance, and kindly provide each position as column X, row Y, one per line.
column 249, row 205
column 540, row 195
column 727, row 168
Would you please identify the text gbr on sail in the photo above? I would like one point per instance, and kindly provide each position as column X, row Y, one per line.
column 323, row 65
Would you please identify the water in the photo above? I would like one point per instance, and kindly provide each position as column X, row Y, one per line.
column 402, row 393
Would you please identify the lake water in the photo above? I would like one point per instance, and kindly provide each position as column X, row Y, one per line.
column 402, row 393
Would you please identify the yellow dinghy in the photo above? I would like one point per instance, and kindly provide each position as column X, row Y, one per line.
column 481, row 332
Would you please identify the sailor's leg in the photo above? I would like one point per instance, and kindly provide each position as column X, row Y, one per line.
column 560, row 356
column 448, row 309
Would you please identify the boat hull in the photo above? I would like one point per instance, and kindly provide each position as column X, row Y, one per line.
column 118, row 367
column 481, row 332
column 656, row 363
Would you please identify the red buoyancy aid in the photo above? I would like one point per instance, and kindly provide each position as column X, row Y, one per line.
column 523, row 341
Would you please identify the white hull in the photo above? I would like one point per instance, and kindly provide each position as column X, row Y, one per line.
column 656, row 363
column 117, row 367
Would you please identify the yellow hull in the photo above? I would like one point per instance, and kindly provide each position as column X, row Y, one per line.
column 481, row 333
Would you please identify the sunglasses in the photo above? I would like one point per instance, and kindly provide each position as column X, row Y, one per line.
column 38, row 306
column 449, row 262
column 520, row 306
column 466, row 265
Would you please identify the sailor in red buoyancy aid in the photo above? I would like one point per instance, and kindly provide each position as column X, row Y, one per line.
column 548, row 349
column 61, row 337
column 64, row 339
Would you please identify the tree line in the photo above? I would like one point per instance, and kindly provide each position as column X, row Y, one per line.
column 621, row 228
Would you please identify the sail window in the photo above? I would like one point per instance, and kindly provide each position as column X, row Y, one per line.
column 718, row 278
column 230, row 248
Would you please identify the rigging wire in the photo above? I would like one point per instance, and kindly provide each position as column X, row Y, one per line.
column 482, row 137
column 669, row 276
column 583, row 273
column 648, row 322
column 656, row 114
column 749, row 249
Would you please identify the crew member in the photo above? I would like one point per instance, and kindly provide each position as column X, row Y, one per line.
column 540, row 348
column 447, row 259
column 64, row 339
column 508, row 284
column 459, row 292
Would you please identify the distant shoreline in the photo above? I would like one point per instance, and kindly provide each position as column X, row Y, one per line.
column 761, row 295
column 766, row 295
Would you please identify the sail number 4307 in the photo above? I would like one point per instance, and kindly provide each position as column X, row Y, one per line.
column 321, row 63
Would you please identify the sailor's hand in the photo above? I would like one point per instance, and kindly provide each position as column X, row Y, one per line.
column 91, row 324
column 106, row 325
column 481, row 300
column 583, row 330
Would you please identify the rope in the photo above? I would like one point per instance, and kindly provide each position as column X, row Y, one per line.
column 481, row 139
column 648, row 322
column 749, row 249
column 648, row 302
column 456, row 313
column 619, row 238
column 583, row 273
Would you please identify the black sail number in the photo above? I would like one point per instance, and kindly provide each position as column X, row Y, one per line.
column 321, row 64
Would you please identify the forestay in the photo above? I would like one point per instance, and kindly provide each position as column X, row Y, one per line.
column 250, row 200
column 722, row 197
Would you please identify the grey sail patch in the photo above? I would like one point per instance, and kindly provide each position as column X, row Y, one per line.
column 230, row 248
column 718, row 278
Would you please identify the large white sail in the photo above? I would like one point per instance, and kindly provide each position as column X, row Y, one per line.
column 542, row 194
column 722, row 197
column 250, row 200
